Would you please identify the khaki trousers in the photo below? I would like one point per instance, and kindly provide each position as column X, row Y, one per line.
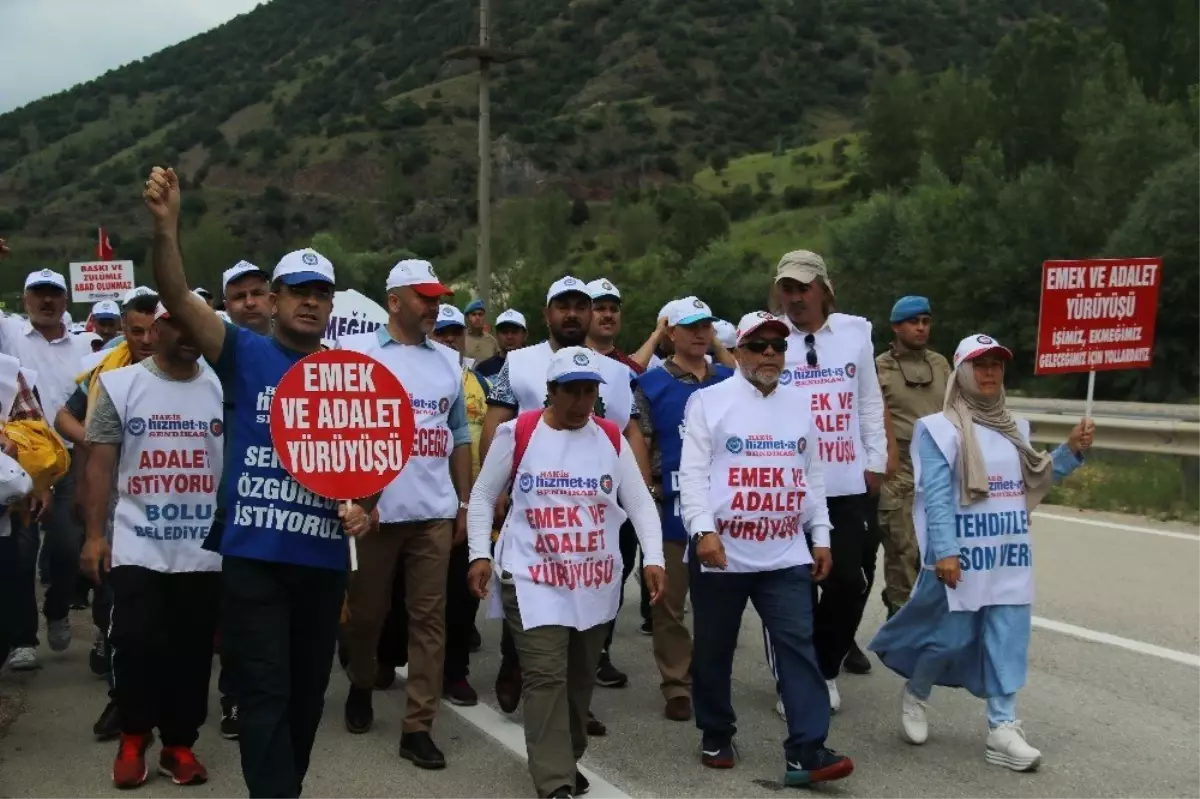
column 901, row 555
column 558, row 669
column 422, row 550
column 672, row 640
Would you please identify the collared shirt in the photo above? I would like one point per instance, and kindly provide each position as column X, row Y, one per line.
column 460, row 430
column 871, row 429
column 481, row 346
column 25, row 407
column 645, row 419
column 56, row 362
column 914, row 385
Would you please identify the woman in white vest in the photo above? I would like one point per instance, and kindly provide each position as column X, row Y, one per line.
column 968, row 622
column 558, row 559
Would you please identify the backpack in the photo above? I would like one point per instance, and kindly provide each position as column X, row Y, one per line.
column 527, row 423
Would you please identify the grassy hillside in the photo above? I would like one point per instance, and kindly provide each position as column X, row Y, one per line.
column 299, row 116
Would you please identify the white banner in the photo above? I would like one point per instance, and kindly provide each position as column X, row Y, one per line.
column 92, row 281
column 353, row 313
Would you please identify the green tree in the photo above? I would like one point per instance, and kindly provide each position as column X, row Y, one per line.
column 892, row 123
column 1162, row 43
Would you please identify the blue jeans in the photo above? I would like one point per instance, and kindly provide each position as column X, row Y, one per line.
column 783, row 598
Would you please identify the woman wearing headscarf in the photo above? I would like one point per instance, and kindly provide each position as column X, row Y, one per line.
column 969, row 619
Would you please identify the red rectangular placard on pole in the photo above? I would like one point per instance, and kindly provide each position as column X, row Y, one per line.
column 1097, row 314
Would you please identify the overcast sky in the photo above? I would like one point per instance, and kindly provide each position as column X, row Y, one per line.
column 50, row 45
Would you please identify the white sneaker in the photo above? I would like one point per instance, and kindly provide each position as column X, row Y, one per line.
column 58, row 634
column 835, row 698
column 1006, row 746
column 23, row 658
column 913, row 723
column 779, row 709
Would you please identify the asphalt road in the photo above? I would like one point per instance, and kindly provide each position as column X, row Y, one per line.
column 1113, row 701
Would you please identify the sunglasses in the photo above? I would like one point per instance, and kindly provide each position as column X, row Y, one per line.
column 810, row 341
column 759, row 346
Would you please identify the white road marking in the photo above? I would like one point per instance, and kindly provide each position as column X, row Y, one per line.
column 1186, row 658
column 1116, row 526
column 512, row 736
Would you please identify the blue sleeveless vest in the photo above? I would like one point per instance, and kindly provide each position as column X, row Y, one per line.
column 668, row 397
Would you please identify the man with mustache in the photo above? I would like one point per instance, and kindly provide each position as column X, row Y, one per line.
column 521, row 386
column 422, row 514
column 44, row 343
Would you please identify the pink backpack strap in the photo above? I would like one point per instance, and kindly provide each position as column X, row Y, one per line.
column 611, row 430
column 526, row 423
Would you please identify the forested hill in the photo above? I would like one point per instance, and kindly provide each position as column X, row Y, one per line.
column 305, row 115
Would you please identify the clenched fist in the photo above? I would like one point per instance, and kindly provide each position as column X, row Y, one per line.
column 162, row 195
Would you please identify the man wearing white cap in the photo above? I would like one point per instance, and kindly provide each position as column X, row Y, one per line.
column 247, row 291
column 661, row 396
column 511, row 332
column 44, row 345
column 166, row 587
column 282, row 587
column 574, row 480
column 750, row 482
column 521, row 386
column 106, row 320
column 422, row 513
column 831, row 366
column 657, row 345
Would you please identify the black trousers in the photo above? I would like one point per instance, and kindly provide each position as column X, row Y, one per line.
column 278, row 631
column 10, row 585
column 842, row 596
column 629, row 553
column 461, row 607
column 162, row 645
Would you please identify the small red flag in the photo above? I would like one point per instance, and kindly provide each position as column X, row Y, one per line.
column 104, row 250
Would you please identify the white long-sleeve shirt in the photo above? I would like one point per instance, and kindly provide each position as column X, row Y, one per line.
column 632, row 495
column 696, row 460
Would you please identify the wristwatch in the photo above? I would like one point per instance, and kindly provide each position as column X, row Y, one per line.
column 463, row 506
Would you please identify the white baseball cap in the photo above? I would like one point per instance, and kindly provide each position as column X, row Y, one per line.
column 726, row 333
column 137, row 291
column 417, row 275
column 15, row 482
column 603, row 287
column 688, row 311
column 303, row 266
column 567, row 285
column 972, row 347
column 449, row 316
column 46, row 277
column 106, row 309
column 665, row 311
column 241, row 269
column 512, row 317
column 161, row 312
column 574, row 363
column 754, row 321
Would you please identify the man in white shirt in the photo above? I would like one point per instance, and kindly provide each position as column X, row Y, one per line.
column 421, row 513
column 521, row 386
column 43, row 344
column 750, row 482
column 831, row 365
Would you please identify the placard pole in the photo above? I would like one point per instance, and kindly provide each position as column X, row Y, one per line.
column 353, row 547
column 1087, row 406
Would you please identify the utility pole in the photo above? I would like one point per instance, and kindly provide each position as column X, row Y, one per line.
column 485, row 55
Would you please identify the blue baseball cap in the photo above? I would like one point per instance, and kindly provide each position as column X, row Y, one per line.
column 909, row 307
column 571, row 364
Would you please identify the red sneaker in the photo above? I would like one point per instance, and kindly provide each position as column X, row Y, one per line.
column 181, row 765
column 129, row 769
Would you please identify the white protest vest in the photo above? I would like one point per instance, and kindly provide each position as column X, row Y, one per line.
column 527, row 376
column 169, row 469
column 995, row 549
column 757, row 485
column 562, row 537
column 831, row 389
column 433, row 379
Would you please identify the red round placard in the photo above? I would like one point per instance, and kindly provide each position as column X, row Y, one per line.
column 342, row 424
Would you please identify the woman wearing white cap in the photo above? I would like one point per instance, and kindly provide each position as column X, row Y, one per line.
column 558, row 559
column 968, row 622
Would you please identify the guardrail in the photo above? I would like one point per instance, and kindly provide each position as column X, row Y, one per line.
column 1104, row 408
column 1160, row 436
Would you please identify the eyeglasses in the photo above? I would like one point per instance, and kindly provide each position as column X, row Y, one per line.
column 759, row 346
column 810, row 341
column 920, row 383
